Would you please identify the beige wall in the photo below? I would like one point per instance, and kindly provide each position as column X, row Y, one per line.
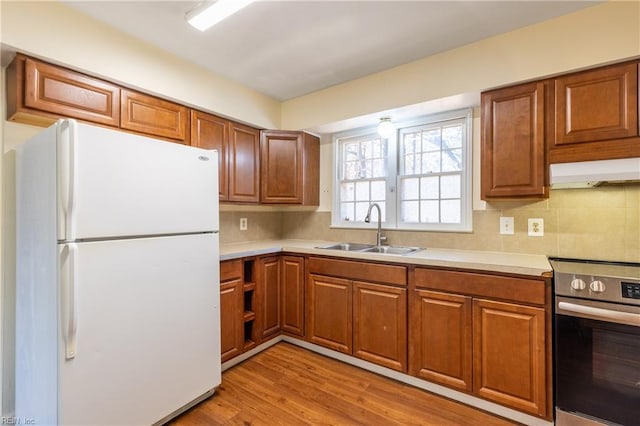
column 595, row 35
column 53, row 31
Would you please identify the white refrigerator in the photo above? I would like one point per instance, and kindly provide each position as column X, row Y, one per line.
column 117, row 292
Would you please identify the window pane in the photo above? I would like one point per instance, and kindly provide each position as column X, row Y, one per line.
column 366, row 149
column 378, row 190
column 450, row 186
column 379, row 169
column 431, row 162
column 410, row 165
column 452, row 137
column 450, row 211
column 351, row 151
column 351, row 170
column 362, row 191
column 347, row 191
column 346, row 211
column 431, row 140
column 429, row 188
column 361, row 211
column 409, row 211
column 429, row 212
column 410, row 143
column 452, row 160
column 377, row 151
column 410, row 189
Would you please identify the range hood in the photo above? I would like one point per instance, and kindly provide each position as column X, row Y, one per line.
column 588, row 174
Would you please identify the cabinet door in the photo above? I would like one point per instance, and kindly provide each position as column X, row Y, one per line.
column 59, row 92
column 231, row 323
column 292, row 286
column 231, row 309
column 153, row 116
column 211, row 132
column 597, row 105
column 244, row 164
column 330, row 313
column 441, row 338
column 380, row 324
column 509, row 355
column 596, row 115
column 268, row 294
column 281, row 167
column 513, row 135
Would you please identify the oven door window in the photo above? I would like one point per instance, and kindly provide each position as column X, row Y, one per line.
column 598, row 369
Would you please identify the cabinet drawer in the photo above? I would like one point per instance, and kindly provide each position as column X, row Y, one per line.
column 230, row 270
column 390, row 274
column 491, row 286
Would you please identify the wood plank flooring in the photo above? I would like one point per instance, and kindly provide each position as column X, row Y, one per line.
column 289, row 385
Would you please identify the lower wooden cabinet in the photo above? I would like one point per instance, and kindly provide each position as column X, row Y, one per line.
column 292, row 295
column 359, row 308
column 494, row 349
column 268, row 294
column 330, row 312
column 380, row 324
column 231, row 309
column 509, row 355
column 441, row 348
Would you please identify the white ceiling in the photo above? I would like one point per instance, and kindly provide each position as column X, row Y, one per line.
column 287, row 49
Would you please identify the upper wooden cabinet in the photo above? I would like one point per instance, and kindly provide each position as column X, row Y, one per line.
column 211, row 132
column 596, row 115
column 244, row 163
column 289, row 171
column 153, row 116
column 39, row 94
column 513, row 142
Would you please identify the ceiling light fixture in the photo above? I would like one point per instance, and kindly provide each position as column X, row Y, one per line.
column 386, row 128
column 210, row 14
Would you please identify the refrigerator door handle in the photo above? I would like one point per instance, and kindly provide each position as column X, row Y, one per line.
column 69, row 297
column 67, row 165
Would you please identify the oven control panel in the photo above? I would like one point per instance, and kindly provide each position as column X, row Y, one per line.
column 630, row 290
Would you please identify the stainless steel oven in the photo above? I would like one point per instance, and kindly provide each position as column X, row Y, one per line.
column 597, row 342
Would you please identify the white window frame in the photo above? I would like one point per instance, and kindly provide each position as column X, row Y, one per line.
column 393, row 178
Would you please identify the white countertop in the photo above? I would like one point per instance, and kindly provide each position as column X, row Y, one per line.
column 490, row 261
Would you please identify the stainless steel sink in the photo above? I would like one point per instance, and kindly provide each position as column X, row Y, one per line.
column 348, row 246
column 403, row 251
column 370, row 248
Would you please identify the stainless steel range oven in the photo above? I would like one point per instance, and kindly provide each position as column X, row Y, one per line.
column 597, row 342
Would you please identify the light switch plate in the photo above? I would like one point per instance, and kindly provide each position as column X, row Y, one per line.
column 506, row 225
column 536, row 227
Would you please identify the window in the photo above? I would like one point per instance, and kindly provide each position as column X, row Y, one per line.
column 420, row 177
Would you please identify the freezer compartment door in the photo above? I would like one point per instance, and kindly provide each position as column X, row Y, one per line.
column 146, row 318
column 113, row 184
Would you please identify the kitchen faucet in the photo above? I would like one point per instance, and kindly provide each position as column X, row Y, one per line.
column 379, row 237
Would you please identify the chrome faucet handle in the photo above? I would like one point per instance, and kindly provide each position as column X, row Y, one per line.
column 383, row 238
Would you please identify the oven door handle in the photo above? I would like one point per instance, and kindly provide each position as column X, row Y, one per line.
column 599, row 314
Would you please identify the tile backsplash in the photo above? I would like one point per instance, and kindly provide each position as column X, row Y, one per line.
column 599, row 223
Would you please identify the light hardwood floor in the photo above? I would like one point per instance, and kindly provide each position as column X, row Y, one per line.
column 288, row 385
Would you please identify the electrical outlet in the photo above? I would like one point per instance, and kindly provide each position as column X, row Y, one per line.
column 506, row 225
column 536, row 227
column 243, row 223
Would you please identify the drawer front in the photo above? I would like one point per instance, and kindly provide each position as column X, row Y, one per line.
column 230, row 270
column 376, row 272
column 484, row 285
